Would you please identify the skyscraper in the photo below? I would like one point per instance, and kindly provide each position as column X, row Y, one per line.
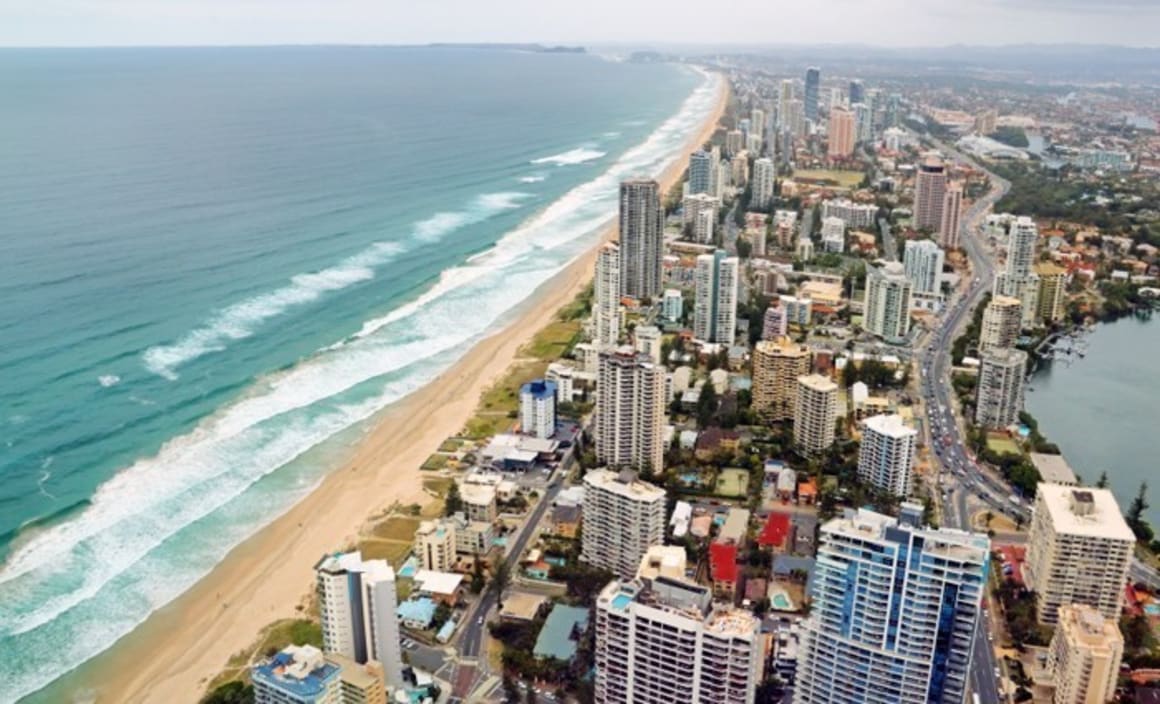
column 999, row 395
column 894, row 611
column 764, row 175
column 886, row 454
column 757, row 122
column 815, row 413
column 1078, row 551
column 734, row 142
column 623, row 517
column 606, row 296
column 641, row 238
column 1001, row 324
column 777, row 364
column 923, row 263
column 776, row 321
column 715, row 308
column 813, row 84
column 357, row 605
column 699, row 216
column 630, row 411
column 863, row 122
column 1052, row 287
column 886, row 308
column 1018, row 278
column 661, row 639
column 784, row 96
column 930, row 188
column 857, row 95
column 842, row 133
column 949, row 223
column 700, row 172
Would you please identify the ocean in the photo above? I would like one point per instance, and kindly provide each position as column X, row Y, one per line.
column 217, row 265
column 1099, row 409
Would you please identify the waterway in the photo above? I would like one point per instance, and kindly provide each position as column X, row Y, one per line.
column 1101, row 410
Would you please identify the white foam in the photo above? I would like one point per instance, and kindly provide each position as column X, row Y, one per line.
column 536, row 178
column 571, row 157
column 107, row 380
column 203, row 473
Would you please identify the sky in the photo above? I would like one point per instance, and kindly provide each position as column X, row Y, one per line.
column 898, row 23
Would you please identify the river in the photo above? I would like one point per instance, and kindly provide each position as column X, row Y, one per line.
column 1101, row 410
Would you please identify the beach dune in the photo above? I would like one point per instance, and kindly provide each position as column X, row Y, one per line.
column 173, row 655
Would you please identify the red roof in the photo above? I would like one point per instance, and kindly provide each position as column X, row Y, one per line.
column 723, row 562
column 1013, row 559
column 775, row 531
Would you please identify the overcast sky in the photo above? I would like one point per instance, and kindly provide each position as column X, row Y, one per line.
column 882, row 22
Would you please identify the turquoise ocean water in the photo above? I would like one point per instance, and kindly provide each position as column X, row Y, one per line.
column 217, row 264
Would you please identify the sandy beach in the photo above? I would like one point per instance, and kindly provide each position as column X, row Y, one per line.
column 172, row 656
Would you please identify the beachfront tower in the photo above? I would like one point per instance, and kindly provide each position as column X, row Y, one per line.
column 895, row 608
column 297, row 675
column 357, row 602
column 538, row 408
column 606, row 296
column 641, row 238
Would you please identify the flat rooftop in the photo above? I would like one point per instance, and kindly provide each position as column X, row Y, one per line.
column 1053, row 469
column 625, row 484
column 1087, row 512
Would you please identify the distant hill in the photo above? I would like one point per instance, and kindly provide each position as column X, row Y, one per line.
column 539, row 48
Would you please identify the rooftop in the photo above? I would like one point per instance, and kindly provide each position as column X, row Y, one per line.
column 299, row 670
column 891, row 426
column 723, row 562
column 556, row 637
column 1087, row 512
column 735, row 527
column 420, row 610
column 433, row 582
column 624, row 484
column 1053, row 469
column 776, row 530
column 522, row 605
column 663, row 560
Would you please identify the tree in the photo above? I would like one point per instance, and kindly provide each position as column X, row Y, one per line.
column 1102, row 482
column 453, row 504
column 706, row 405
column 1135, row 515
column 477, row 579
column 499, row 580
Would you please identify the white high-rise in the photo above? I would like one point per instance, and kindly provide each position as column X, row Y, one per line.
column 923, row 264
column 606, row 296
column 1079, row 550
column 834, row 234
column 1001, row 323
column 699, row 215
column 999, row 394
column 1018, row 279
column 662, row 640
column 886, row 308
column 715, row 308
column 357, row 604
column 1084, row 657
column 701, row 167
column 894, row 611
column 641, row 238
column 630, row 410
column 950, row 223
column 538, row 408
column 815, row 413
column 886, row 454
column 764, row 175
column 622, row 517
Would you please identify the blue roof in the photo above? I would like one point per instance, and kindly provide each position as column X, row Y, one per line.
column 540, row 388
column 421, row 610
column 445, row 632
column 555, row 639
column 270, row 673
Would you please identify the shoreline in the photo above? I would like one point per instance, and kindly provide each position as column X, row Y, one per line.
column 179, row 648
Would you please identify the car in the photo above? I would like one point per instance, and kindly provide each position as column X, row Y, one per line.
column 479, row 621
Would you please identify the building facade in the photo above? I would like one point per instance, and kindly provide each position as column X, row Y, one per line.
column 297, row 675
column 923, row 263
column 715, row 308
column 1002, row 322
column 775, row 322
column 1000, row 389
column 894, row 612
column 661, row 640
column 886, row 307
column 777, row 364
column 1084, row 657
column 886, row 454
column 842, row 133
column 641, row 238
column 606, row 296
column 764, row 176
column 538, row 408
column 1049, row 304
column 813, row 85
column 950, row 223
column 930, row 187
column 815, row 414
column 1078, row 551
column 630, row 411
column 622, row 518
